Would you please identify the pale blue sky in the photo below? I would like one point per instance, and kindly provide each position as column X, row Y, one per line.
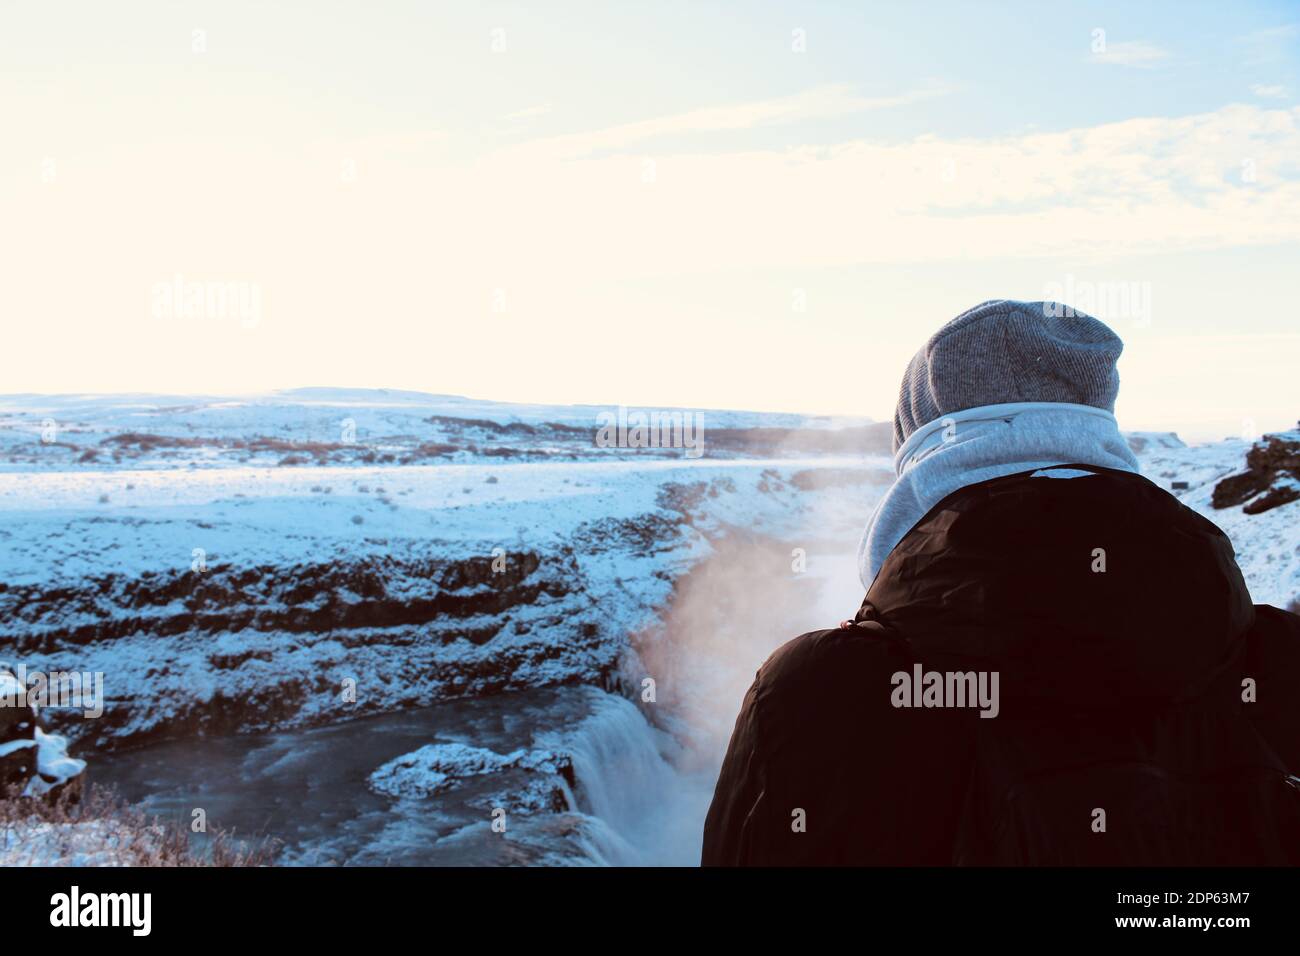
column 648, row 204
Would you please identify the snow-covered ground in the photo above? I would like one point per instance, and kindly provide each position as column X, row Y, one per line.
column 1267, row 544
column 194, row 591
column 340, row 567
column 323, row 426
column 37, row 842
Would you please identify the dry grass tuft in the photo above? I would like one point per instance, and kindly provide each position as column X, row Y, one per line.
column 99, row 828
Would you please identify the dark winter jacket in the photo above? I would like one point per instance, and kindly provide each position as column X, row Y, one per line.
column 1147, row 712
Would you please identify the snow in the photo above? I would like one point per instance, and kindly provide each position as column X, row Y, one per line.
column 242, row 415
column 53, row 765
column 1267, row 545
column 585, row 520
column 435, row 767
column 42, row 431
column 54, row 525
column 13, row 746
column 92, row 843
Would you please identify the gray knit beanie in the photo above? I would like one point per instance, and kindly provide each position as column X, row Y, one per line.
column 1004, row 351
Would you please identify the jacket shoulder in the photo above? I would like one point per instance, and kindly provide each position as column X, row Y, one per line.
column 814, row 663
column 822, row 769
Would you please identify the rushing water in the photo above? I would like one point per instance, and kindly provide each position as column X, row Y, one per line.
column 642, row 773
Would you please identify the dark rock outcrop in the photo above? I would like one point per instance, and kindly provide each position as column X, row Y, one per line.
column 32, row 762
column 1271, row 478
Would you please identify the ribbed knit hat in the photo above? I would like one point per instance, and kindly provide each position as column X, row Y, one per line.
column 1004, row 351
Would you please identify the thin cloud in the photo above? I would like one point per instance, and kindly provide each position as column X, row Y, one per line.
column 1213, row 180
column 1269, row 46
column 819, row 103
column 1136, row 53
column 1269, row 92
column 529, row 112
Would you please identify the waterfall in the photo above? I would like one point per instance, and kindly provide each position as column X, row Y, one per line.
column 644, row 785
column 640, row 809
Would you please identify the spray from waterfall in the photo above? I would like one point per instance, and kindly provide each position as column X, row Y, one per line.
column 647, row 772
